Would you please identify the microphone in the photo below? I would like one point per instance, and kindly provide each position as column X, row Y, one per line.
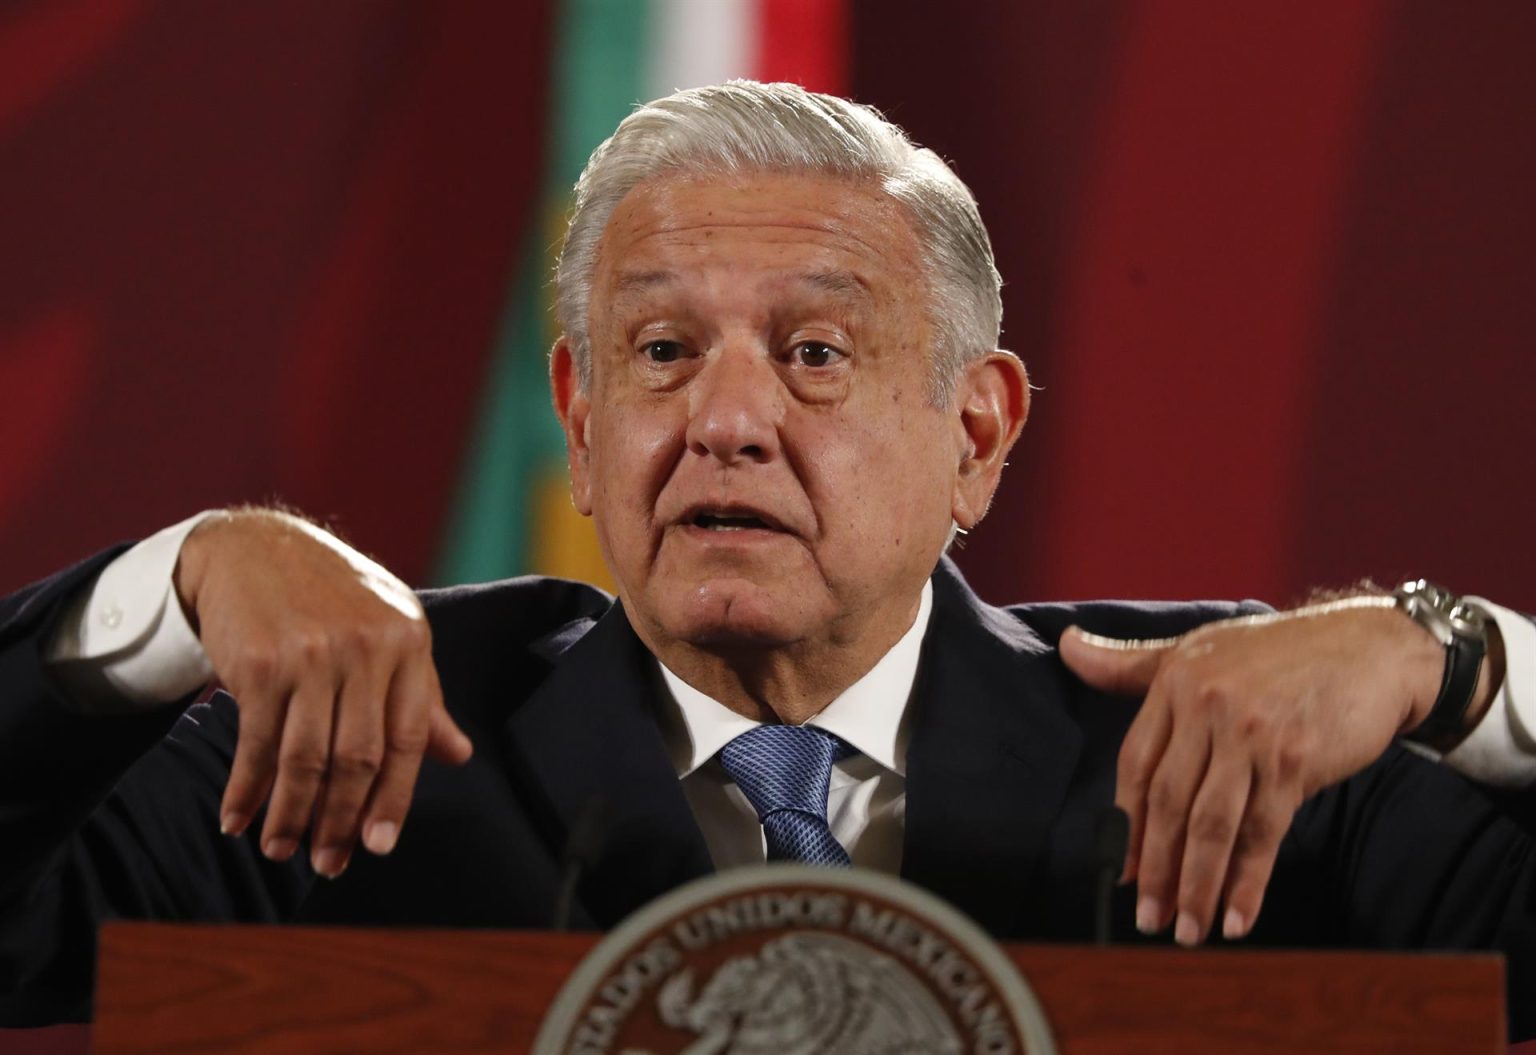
column 1112, row 840
column 582, row 845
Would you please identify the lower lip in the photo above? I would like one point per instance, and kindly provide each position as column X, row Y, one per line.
column 732, row 536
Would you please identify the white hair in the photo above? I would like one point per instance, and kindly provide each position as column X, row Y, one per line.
column 746, row 126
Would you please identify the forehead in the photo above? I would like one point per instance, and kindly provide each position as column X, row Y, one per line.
column 831, row 231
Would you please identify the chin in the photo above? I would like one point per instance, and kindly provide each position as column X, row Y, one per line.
column 735, row 613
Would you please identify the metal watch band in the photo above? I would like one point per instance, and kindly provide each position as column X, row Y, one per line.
column 1463, row 631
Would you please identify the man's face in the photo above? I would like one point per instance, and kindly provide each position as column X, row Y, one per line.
column 758, row 449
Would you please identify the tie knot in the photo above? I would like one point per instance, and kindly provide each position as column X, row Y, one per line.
column 784, row 767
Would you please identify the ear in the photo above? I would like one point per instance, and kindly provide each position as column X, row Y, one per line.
column 993, row 403
column 574, row 408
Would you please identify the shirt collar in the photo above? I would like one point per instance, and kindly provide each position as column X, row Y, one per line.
column 867, row 715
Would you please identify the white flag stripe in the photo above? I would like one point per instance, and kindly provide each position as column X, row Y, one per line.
column 698, row 42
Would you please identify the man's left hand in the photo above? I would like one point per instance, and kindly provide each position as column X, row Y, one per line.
column 1243, row 720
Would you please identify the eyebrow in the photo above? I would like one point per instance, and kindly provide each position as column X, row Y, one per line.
column 640, row 281
column 836, row 283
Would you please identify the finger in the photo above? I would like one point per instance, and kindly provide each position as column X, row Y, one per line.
column 446, row 742
column 1140, row 752
column 1170, row 794
column 255, row 764
column 1126, row 668
column 413, row 697
column 1271, row 806
column 357, row 754
column 1214, row 819
column 302, row 761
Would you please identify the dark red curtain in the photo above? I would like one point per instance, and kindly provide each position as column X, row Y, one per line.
column 1274, row 269
column 1272, row 265
column 253, row 251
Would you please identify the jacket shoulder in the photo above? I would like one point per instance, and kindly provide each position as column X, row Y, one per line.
column 526, row 610
column 1037, row 626
column 1127, row 619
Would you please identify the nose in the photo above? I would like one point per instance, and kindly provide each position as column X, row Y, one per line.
column 735, row 408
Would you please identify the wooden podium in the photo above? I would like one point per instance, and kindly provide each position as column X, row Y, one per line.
column 175, row 988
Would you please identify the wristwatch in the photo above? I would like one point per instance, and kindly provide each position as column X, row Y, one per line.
column 1463, row 631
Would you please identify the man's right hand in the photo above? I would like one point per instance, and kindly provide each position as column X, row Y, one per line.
column 329, row 658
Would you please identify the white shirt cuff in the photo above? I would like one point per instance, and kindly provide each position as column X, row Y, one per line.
column 1500, row 750
column 127, row 630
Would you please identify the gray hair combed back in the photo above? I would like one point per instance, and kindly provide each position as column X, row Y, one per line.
column 745, row 126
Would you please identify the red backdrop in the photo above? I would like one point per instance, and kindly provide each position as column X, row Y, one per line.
column 1274, row 267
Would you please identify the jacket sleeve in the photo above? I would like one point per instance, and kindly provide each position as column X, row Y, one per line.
column 1412, row 855
column 106, row 817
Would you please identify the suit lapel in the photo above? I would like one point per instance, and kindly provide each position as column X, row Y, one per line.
column 589, row 733
column 992, row 754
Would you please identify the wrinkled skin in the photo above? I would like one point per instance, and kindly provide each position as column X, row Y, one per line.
column 761, row 348
column 772, row 484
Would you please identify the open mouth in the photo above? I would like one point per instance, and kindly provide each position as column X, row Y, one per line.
column 730, row 522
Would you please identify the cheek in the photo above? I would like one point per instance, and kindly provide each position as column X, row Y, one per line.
column 879, row 488
column 632, row 449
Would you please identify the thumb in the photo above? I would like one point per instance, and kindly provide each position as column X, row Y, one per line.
column 1112, row 664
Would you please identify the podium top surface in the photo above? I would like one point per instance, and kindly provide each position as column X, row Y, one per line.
column 167, row 988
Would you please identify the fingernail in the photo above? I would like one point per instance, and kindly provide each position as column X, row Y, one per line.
column 279, row 849
column 1233, row 926
column 330, row 861
column 1186, row 932
column 231, row 824
column 380, row 836
column 1148, row 914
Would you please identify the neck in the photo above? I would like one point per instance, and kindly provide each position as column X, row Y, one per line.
column 789, row 683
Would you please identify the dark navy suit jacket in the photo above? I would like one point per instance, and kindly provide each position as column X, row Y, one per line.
column 1011, row 762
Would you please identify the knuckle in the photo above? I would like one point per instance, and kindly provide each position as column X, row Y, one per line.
column 1163, row 799
column 1184, row 670
column 310, row 647
column 1289, row 759
column 255, row 664
column 1257, row 832
column 409, row 740
column 1210, row 697
column 1211, row 827
column 1254, row 725
column 387, row 635
column 1263, row 829
column 358, row 761
column 255, row 747
column 352, row 641
column 413, row 634
column 304, row 762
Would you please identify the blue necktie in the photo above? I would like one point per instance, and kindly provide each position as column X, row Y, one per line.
column 783, row 770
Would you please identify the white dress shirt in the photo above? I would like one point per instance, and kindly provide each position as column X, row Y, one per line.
column 128, row 628
column 867, row 795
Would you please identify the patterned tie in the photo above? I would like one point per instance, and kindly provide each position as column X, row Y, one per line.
column 783, row 770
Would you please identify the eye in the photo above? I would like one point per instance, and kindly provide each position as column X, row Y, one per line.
column 661, row 351
column 815, row 354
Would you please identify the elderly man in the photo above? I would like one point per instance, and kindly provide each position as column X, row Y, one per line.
column 781, row 394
